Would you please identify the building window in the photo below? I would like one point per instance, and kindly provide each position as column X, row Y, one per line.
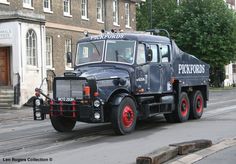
column 4, row 2
column 28, row 3
column 127, row 15
column 234, row 68
column 47, row 5
column 115, row 12
column 49, row 51
column 100, row 10
column 67, row 8
column 84, row 9
column 31, row 48
column 68, row 52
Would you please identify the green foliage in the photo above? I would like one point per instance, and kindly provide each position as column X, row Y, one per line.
column 204, row 28
column 161, row 11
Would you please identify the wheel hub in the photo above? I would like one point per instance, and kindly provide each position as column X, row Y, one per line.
column 184, row 107
column 199, row 104
column 127, row 116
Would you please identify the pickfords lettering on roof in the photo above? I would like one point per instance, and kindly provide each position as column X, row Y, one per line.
column 107, row 36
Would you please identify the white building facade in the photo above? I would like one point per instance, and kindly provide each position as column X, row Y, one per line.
column 22, row 53
column 230, row 72
column 230, row 69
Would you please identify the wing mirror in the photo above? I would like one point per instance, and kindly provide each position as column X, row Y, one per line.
column 69, row 57
column 149, row 55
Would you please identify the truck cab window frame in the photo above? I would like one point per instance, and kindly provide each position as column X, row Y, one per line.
column 165, row 53
column 141, row 54
column 155, row 52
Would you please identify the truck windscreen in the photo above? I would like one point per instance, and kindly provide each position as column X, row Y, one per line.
column 89, row 52
column 120, row 51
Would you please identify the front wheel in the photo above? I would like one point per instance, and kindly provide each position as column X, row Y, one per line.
column 124, row 116
column 62, row 124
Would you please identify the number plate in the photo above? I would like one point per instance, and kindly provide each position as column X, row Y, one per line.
column 65, row 99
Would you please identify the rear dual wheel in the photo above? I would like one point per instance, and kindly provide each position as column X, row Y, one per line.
column 196, row 108
column 182, row 111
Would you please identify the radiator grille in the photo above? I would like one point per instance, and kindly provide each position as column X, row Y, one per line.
column 69, row 88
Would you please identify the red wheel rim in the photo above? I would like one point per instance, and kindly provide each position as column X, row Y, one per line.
column 127, row 116
column 184, row 107
column 199, row 103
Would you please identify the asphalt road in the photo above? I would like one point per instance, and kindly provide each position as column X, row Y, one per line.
column 25, row 139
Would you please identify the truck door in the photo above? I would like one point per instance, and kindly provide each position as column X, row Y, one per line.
column 155, row 76
column 148, row 75
column 165, row 67
column 142, row 69
column 155, row 70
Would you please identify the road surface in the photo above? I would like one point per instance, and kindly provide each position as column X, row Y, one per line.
column 37, row 141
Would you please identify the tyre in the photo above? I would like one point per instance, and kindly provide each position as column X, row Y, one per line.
column 196, row 107
column 62, row 124
column 182, row 110
column 124, row 117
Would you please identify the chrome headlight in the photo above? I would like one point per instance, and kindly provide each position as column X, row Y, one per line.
column 96, row 103
column 97, row 115
column 38, row 114
column 37, row 102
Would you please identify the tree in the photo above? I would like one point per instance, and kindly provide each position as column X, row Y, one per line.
column 160, row 11
column 204, row 28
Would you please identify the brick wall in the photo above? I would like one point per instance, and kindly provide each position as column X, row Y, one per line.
column 61, row 27
column 58, row 39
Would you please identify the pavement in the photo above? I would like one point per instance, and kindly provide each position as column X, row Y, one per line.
column 223, row 152
column 227, row 155
column 24, row 112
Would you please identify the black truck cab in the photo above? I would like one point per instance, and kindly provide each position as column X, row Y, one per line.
column 122, row 77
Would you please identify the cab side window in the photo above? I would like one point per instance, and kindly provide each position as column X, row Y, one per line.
column 141, row 57
column 165, row 53
column 155, row 51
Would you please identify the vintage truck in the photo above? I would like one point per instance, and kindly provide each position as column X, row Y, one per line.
column 125, row 77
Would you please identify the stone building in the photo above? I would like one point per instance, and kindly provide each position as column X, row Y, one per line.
column 36, row 36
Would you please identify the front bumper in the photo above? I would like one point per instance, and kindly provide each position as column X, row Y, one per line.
column 84, row 112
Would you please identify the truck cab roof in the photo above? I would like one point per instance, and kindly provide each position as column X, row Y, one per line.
column 140, row 37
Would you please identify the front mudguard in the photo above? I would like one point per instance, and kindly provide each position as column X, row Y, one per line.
column 116, row 100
